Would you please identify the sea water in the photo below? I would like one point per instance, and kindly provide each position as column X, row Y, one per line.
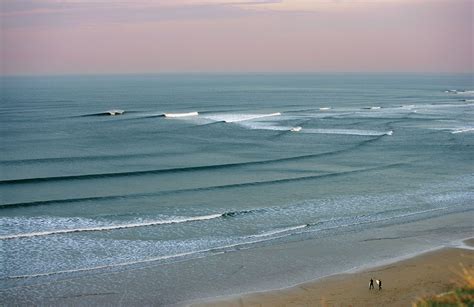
column 105, row 175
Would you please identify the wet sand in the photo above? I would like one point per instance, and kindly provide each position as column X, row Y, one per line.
column 430, row 273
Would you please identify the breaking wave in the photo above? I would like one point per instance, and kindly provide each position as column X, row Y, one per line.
column 463, row 130
column 257, row 238
column 107, row 113
column 177, row 115
column 460, row 92
column 278, row 231
column 111, row 227
column 235, row 118
column 175, row 220
column 349, row 132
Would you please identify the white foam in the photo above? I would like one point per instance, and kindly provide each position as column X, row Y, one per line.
column 375, row 108
column 234, row 118
column 177, row 115
column 115, row 112
column 324, row 109
column 349, row 132
column 266, row 236
column 462, row 130
column 111, row 227
column 149, row 259
column 460, row 92
column 296, row 129
column 277, row 231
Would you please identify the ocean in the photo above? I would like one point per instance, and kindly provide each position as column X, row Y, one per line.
column 166, row 188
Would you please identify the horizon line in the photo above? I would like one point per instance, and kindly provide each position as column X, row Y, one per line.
column 236, row 73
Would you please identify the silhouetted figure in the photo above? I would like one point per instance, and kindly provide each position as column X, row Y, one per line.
column 380, row 284
column 371, row 285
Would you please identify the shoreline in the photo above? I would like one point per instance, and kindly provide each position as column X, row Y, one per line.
column 445, row 257
column 246, row 272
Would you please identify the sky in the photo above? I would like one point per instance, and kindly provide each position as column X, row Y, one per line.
column 159, row 36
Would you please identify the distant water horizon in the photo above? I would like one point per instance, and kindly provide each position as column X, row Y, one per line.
column 105, row 174
column 238, row 73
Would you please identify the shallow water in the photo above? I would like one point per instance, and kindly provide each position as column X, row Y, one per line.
column 86, row 192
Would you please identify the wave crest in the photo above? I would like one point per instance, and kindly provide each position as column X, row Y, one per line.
column 177, row 115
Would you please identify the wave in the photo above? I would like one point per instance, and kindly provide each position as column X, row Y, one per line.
column 116, row 197
column 176, row 170
column 177, row 115
column 460, row 92
column 278, row 231
column 237, row 213
column 196, row 168
column 210, row 188
column 100, row 267
column 296, row 129
column 145, row 172
column 264, row 237
column 218, row 187
column 80, row 158
column 349, row 132
column 111, row 227
column 235, row 118
column 462, row 130
column 176, row 220
column 180, row 255
column 106, row 113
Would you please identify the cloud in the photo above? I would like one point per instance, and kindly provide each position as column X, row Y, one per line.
column 33, row 13
column 17, row 7
column 105, row 36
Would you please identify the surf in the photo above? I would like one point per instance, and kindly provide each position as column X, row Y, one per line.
column 350, row 132
column 279, row 231
column 256, row 238
column 236, row 118
column 178, row 115
column 112, row 112
column 176, row 220
column 463, row 130
column 111, row 227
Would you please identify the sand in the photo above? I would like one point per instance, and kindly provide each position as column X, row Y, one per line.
column 403, row 282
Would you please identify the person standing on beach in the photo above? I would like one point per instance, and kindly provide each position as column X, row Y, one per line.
column 380, row 284
column 371, row 285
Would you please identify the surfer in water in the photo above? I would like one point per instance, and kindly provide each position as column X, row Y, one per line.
column 371, row 285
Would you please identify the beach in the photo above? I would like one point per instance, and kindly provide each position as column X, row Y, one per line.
column 403, row 283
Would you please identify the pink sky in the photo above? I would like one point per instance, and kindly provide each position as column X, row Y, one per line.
column 153, row 36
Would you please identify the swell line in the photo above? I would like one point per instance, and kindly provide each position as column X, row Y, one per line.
column 111, row 227
column 79, row 158
column 182, row 169
column 228, row 186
